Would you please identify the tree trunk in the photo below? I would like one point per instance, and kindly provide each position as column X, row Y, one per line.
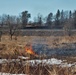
column 0, row 38
column 11, row 37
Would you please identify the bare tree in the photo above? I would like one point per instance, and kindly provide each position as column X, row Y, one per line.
column 1, row 32
column 18, row 24
column 1, row 26
column 68, row 26
column 12, row 26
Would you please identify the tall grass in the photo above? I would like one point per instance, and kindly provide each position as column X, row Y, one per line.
column 37, row 69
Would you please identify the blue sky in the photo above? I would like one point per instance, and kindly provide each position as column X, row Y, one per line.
column 15, row 7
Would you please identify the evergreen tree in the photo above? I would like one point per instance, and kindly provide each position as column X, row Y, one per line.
column 74, row 17
column 25, row 16
column 57, row 19
column 70, row 14
column 49, row 19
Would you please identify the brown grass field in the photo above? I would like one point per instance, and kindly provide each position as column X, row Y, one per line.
column 8, row 46
column 13, row 48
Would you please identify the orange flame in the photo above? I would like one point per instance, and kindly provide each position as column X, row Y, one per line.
column 29, row 50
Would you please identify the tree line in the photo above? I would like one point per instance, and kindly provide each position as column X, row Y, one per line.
column 60, row 20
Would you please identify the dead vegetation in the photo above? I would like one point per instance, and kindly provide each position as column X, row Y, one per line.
column 12, row 49
column 40, row 69
column 16, row 47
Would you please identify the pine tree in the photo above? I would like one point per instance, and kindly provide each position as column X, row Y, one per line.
column 57, row 19
column 49, row 19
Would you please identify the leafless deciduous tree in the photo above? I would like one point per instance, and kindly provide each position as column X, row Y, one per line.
column 18, row 24
column 12, row 22
column 68, row 27
column 1, row 26
column 1, row 32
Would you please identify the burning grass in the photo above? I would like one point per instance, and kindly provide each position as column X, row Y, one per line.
column 12, row 49
column 15, row 48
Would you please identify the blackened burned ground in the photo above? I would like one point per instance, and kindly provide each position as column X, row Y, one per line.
column 43, row 49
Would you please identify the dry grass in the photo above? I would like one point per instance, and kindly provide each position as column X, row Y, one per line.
column 17, row 68
column 14, row 48
column 17, row 47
